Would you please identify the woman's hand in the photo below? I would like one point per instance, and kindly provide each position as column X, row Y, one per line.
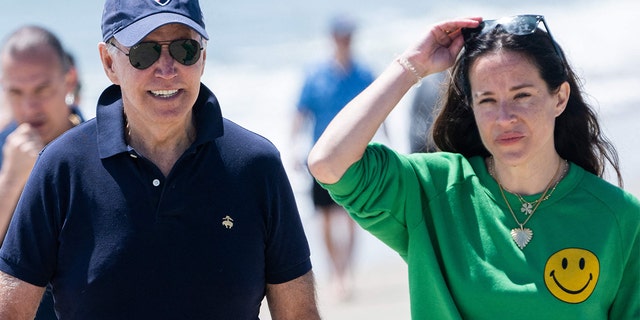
column 345, row 139
column 440, row 47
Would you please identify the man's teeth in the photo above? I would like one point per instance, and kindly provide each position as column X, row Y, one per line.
column 164, row 93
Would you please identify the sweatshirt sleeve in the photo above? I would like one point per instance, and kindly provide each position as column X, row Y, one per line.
column 373, row 191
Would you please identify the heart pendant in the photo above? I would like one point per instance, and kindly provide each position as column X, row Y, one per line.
column 521, row 236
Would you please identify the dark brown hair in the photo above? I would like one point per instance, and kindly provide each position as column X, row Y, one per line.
column 577, row 135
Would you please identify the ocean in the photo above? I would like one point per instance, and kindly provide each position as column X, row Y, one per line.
column 260, row 47
column 258, row 50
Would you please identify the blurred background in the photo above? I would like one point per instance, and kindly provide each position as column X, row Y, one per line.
column 259, row 49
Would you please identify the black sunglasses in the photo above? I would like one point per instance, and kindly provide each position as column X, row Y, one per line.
column 145, row 54
column 517, row 25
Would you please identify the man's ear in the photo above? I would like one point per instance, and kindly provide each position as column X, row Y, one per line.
column 71, row 80
column 204, row 60
column 107, row 62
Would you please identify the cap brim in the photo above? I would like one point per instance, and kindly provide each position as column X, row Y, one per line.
column 136, row 31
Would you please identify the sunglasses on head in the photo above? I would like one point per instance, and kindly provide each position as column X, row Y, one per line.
column 145, row 54
column 517, row 25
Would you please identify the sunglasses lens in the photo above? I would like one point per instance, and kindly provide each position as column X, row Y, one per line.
column 519, row 25
column 186, row 51
column 144, row 54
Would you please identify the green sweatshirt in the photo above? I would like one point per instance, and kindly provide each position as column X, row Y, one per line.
column 445, row 216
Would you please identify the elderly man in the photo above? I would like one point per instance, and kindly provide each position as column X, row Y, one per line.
column 162, row 209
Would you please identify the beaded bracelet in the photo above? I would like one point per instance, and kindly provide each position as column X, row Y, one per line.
column 409, row 67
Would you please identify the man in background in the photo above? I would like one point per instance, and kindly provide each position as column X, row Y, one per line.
column 327, row 88
column 36, row 77
column 423, row 108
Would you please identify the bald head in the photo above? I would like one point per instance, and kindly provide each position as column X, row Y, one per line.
column 33, row 42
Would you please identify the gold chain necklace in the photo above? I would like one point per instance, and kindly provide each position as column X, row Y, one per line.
column 527, row 207
column 522, row 236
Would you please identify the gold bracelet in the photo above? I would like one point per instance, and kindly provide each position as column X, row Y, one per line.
column 409, row 67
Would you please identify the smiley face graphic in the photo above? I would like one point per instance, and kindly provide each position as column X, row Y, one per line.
column 571, row 274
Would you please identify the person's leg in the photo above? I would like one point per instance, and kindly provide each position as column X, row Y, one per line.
column 328, row 238
column 338, row 230
column 339, row 236
column 343, row 235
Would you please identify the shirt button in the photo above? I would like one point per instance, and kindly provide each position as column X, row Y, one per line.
column 156, row 182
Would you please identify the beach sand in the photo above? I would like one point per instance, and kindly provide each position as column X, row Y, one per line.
column 380, row 287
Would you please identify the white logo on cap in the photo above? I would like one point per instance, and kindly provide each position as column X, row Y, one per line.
column 162, row 2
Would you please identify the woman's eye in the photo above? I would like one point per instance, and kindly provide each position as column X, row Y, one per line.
column 522, row 95
column 486, row 101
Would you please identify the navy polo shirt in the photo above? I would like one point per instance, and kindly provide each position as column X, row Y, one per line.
column 118, row 240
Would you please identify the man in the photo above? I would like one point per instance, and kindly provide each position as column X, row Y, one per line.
column 36, row 78
column 424, row 102
column 162, row 209
column 327, row 88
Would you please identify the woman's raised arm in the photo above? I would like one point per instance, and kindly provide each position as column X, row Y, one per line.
column 345, row 139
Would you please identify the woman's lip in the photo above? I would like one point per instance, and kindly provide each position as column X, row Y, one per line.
column 509, row 138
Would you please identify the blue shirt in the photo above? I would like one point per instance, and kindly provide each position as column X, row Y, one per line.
column 328, row 88
column 118, row 240
column 45, row 311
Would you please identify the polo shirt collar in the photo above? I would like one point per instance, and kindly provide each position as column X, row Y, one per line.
column 110, row 120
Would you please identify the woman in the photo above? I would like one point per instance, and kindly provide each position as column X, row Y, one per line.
column 514, row 217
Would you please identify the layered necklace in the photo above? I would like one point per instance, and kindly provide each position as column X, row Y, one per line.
column 521, row 235
column 528, row 207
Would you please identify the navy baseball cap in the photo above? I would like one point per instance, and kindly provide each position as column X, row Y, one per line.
column 129, row 21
